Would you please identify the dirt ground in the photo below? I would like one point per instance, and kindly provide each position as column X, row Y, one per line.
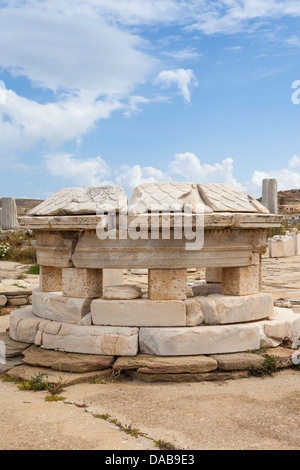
column 252, row 413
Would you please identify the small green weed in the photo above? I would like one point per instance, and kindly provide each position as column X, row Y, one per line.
column 21, row 277
column 36, row 383
column 164, row 445
column 35, row 269
column 54, row 398
column 269, row 367
column 7, row 378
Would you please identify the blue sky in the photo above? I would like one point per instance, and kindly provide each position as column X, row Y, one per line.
column 123, row 92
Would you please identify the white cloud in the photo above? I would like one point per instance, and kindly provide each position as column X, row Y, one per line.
column 88, row 172
column 135, row 101
column 183, row 167
column 189, row 53
column 71, row 51
column 24, row 123
column 183, row 78
column 188, row 166
column 287, row 178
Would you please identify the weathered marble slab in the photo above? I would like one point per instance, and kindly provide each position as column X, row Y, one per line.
column 166, row 197
column 199, row 340
column 111, row 341
column 225, row 198
column 222, row 309
column 221, row 248
column 123, row 292
column 24, row 325
column 53, row 306
column 281, row 246
column 138, row 312
column 82, row 201
column 258, row 206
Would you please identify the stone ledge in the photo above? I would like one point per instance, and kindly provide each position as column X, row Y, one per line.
column 25, row 372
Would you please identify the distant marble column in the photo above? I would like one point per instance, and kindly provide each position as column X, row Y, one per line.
column 269, row 195
column 9, row 214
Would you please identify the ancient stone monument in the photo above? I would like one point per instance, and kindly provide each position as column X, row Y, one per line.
column 166, row 228
column 9, row 219
column 270, row 195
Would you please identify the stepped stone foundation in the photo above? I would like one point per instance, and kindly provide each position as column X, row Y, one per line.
column 83, row 307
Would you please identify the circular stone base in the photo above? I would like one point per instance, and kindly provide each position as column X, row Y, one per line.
column 165, row 341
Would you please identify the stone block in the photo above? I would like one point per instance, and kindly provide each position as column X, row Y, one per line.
column 238, row 361
column 216, row 376
column 281, row 246
column 123, row 292
column 53, row 306
column 55, row 248
column 9, row 220
column 148, row 364
column 12, row 348
column 112, row 277
column 82, row 201
column 167, row 284
column 3, row 300
column 107, row 341
column 66, row 362
column 82, row 283
column 221, row 309
column 23, row 325
column 296, row 237
column 26, row 372
column 284, row 356
column 284, row 325
column 241, row 281
column 166, row 197
column 17, row 301
column 213, row 275
column 203, row 288
column 138, row 312
column 194, row 312
column 50, row 279
column 199, row 340
column 225, row 198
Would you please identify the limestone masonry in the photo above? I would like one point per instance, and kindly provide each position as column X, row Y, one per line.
column 83, row 246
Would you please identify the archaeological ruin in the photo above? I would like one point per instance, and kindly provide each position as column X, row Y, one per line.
column 87, row 237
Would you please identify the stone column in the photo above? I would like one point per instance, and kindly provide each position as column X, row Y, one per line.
column 9, row 214
column 269, row 195
column 112, row 277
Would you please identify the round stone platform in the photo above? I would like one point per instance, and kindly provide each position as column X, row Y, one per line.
column 129, row 341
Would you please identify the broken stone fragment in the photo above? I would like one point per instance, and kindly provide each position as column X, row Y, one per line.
column 148, row 364
column 166, row 197
column 66, row 362
column 92, row 200
column 124, row 292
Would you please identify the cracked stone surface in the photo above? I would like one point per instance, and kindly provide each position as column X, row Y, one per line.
column 166, row 196
column 72, row 201
column 225, row 198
